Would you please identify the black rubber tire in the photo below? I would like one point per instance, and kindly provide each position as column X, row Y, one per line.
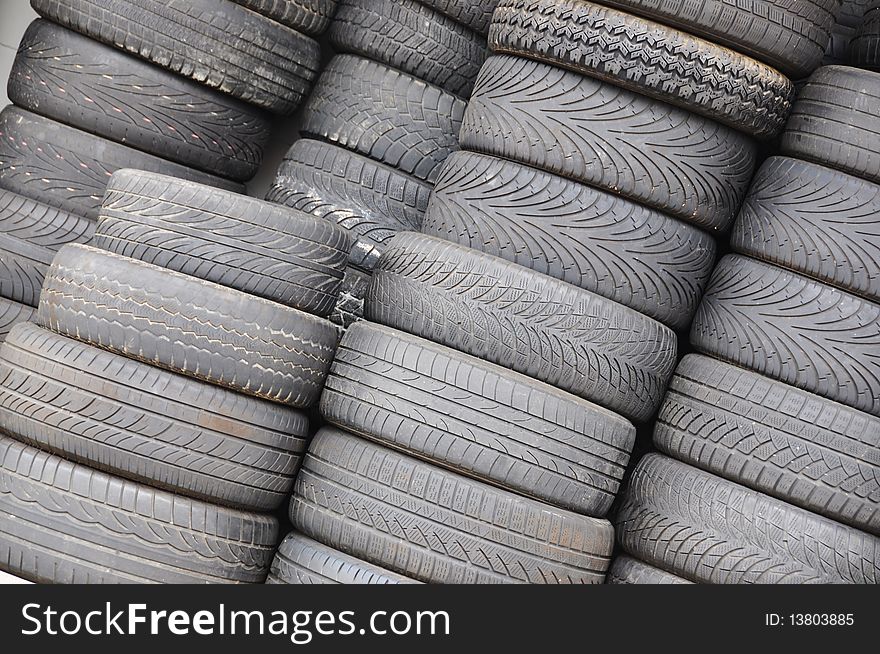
column 536, row 325
column 126, row 100
column 475, row 14
column 371, row 201
column 630, row 571
column 252, row 246
column 301, row 560
column 710, row 530
column 187, row 325
column 412, row 37
column 469, row 416
column 835, row 122
column 790, row 35
column 795, row 446
column 611, row 138
column 816, row 221
column 595, row 240
column 12, row 313
column 853, row 11
column 648, row 58
column 837, row 53
column 66, row 523
column 865, row 46
column 792, row 329
column 30, row 235
column 349, row 307
column 386, row 115
column 215, row 42
column 68, row 168
column 436, row 526
column 310, row 17
column 136, row 421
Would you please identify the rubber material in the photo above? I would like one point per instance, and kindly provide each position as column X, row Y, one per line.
column 12, row 313
column 865, row 46
column 630, row 571
column 310, row 17
column 476, row 14
column 349, row 307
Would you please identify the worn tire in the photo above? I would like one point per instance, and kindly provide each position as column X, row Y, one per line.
column 792, row 329
column 438, row 527
column 30, row 235
column 816, row 221
column 368, row 199
column 68, row 168
column 187, row 325
column 252, row 246
column 522, row 320
column 476, row 14
column 853, row 11
column 301, row 560
column 412, row 37
column 66, row 523
column 710, row 530
column 310, row 17
column 349, row 307
column 630, row 571
column 648, row 58
column 385, row 115
column 477, row 419
column 611, row 138
column 835, row 122
column 215, row 42
column 865, row 46
column 621, row 250
column 12, row 313
column 126, row 100
column 136, row 421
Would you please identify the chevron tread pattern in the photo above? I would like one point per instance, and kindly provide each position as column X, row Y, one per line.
column 12, row 313
column 475, row 14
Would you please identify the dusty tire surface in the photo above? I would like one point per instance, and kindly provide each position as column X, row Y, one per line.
column 12, row 313
column 476, row 14
column 865, row 46
column 349, row 307
column 630, row 571
column 310, row 17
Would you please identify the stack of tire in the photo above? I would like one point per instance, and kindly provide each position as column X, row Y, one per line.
column 865, row 45
column 774, row 429
column 167, row 87
column 850, row 16
column 381, row 122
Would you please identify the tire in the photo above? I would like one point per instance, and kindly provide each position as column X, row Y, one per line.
column 630, row 571
column 68, row 169
column 301, row 560
column 66, row 523
column 647, row 58
column 709, row 530
column 792, row 329
column 12, row 313
column 835, row 123
column 349, row 307
column 815, row 221
column 255, row 247
column 790, row 35
column 475, row 14
column 215, row 42
column 852, row 12
column 126, row 100
column 136, row 421
column 595, row 240
column 372, row 201
column 386, row 115
column 838, row 49
column 592, row 132
column 775, row 439
column 438, row 527
column 477, row 419
column 865, row 46
column 187, row 325
column 412, row 37
column 522, row 320
column 30, row 235
column 310, row 17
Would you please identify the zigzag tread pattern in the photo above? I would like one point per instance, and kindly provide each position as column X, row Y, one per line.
column 475, row 14
column 630, row 571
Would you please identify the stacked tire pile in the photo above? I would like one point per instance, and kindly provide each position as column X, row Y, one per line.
column 381, row 122
column 865, row 44
column 774, row 429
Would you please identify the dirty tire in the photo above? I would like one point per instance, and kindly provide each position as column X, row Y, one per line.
column 816, row 221
column 349, row 307
column 67, row 168
column 136, row 421
column 793, row 445
column 412, row 37
column 648, row 58
column 835, row 122
column 126, row 100
column 865, row 46
column 477, row 419
column 215, row 42
column 310, row 17
column 476, row 14
column 853, row 11
column 792, row 329
column 301, row 560
column 536, row 325
column 710, row 530
column 436, row 526
column 30, row 235
column 630, row 571
column 602, row 243
column 386, row 115
column 12, row 313
column 186, row 325
column 611, row 138
column 252, row 246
